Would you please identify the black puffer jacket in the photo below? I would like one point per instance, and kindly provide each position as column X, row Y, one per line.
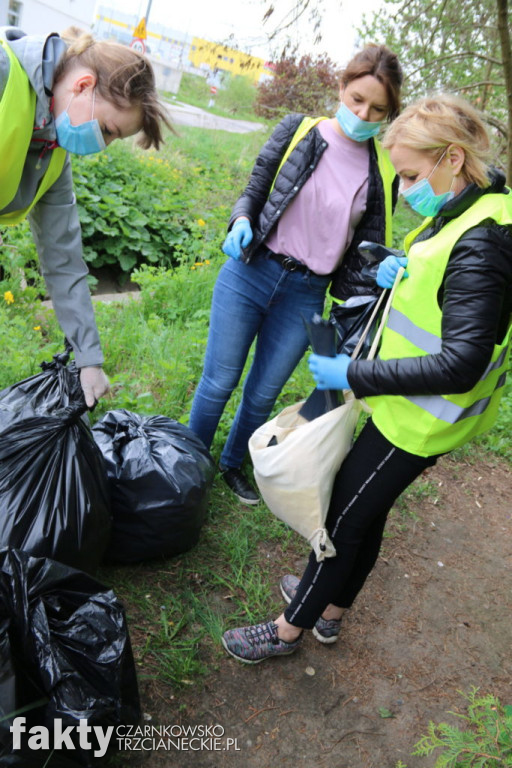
column 264, row 208
column 476, row 301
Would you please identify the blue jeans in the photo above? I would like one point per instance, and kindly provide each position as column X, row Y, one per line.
column 257, row 300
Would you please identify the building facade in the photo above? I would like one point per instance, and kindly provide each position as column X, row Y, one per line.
column 40, row 17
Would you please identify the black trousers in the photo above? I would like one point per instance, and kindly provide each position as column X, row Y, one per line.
column 371, row 478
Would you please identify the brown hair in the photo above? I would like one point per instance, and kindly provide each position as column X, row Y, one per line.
column 434, row 122
column 124, row 77
column 383, row 64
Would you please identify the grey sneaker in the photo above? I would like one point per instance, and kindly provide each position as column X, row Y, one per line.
column 325, row 630
column 257, row 643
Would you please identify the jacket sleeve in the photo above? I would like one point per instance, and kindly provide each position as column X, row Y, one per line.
column 254, row 197
column 476, row 301
column 57, row 234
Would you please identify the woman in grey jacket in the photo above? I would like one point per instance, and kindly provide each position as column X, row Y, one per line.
column 318, row 188
column 57, row 98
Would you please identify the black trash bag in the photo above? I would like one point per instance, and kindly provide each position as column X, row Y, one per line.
column 65, row 655
column 160, row 476
column 350, row 319
column 54, row 497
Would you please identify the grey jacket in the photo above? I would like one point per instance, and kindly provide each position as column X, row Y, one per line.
column 54, row 219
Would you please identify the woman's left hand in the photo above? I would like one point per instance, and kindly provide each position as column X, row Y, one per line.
column 330, row 372
column 388, row 270
column 94, row 384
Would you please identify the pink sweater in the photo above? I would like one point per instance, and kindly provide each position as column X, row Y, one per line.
column 318, row 225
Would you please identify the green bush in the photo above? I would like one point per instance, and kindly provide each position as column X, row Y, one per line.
column 486, row 741
column 237, row 97
column 130, row 210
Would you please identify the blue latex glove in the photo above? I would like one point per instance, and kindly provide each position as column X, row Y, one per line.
column 330, row 372
column 239, row 237
column 388, row 269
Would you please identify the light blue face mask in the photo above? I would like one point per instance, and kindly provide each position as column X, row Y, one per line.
column 84, row 139
column 422, row 198
column 355, row 128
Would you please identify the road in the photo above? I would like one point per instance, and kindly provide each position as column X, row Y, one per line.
column 185, row 114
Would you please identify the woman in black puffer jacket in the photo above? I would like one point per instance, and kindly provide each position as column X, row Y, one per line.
column 318, row 188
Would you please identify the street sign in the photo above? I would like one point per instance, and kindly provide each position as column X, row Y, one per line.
column 213, row 89
column 138, row 45
column 140, row 30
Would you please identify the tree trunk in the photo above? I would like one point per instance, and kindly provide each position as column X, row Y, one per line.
column 506, row 55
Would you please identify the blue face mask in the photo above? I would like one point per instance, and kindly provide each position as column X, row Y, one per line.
column 422, row 198
column 355, row 128
column 84, row 139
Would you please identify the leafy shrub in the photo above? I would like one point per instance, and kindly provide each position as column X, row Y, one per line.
column 309, row 85
column 237, row 96
column 487, row 740
column 130, row 211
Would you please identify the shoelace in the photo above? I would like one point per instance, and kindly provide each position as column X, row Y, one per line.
column 262, row 633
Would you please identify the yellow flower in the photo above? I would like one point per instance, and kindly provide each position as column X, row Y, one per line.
column 201, row 222
column 192, row 267
column 198, row 264
column 8, row 297
column 37, row 327
column 207, row 261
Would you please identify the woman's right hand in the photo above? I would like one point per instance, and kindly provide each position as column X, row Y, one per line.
column 239, row 237
column 388, row 270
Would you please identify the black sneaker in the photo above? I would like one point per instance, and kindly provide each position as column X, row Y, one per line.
column 239, row 484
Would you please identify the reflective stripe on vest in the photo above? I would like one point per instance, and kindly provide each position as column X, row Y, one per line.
column 431, row 424
column 17, row 113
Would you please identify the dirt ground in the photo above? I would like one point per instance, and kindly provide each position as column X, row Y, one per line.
column 433, row 620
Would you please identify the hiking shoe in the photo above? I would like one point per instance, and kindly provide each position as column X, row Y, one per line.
column 257, row 643
column 239, row 484
column 325, row 630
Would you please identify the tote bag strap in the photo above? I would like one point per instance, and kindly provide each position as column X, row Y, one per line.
column 382, row 323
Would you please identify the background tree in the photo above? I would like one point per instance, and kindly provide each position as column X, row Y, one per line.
column 462, row 46
column 305, row 84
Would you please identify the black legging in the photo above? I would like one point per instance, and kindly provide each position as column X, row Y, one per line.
column 371, row 478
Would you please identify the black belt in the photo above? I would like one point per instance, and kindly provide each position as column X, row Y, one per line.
column 287, row 262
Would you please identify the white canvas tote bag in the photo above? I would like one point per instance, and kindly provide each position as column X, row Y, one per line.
column 295, row 473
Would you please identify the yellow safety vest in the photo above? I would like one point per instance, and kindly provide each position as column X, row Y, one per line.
column 426, row 425
column 17, row 114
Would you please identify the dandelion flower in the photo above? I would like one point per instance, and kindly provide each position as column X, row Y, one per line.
column 8, row 297
column 37, row 327
column 201, row 222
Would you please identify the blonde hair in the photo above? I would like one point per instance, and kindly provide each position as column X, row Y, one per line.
column 434, row 122
column 124, row 77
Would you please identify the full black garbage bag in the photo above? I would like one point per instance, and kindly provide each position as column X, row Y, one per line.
column 350, row 319
column 160, row 476
column 54, row 498
column 65, row 654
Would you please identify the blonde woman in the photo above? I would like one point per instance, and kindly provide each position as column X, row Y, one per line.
column 57, row 98
column 441, row 369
